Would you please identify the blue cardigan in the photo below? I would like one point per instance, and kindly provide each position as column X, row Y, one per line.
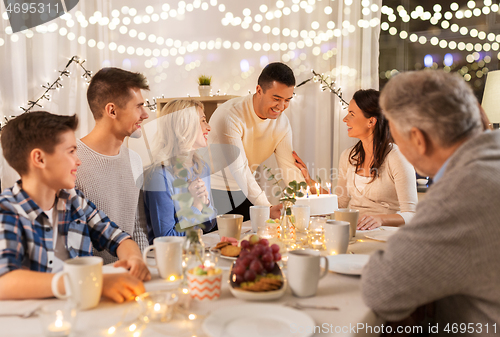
column 160, row 208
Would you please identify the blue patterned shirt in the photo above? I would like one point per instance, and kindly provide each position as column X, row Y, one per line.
column 26, row 234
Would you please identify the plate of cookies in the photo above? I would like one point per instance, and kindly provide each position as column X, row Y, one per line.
column 264, row 288
column 227, row 250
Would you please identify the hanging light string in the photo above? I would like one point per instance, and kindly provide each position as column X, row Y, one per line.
column 56, row 85
column 151, row 106
column 326, row 82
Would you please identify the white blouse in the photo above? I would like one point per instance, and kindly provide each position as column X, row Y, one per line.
column 393, row 191
column 360, row 182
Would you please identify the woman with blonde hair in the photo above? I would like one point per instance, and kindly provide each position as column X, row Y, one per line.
column 182, row 128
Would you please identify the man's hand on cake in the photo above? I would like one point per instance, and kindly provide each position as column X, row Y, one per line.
column 302, row 167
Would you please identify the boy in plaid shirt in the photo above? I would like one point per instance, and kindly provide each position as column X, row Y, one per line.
column 44, row 220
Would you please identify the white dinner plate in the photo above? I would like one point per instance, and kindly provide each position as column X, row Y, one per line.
column 358, row 231
column 263, row 320
column 228, row 257
column 350, row 264
column 383, row 235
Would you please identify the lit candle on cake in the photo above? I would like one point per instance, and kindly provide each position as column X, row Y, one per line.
column 329, row 188
column 317, row 188
column 319, row 204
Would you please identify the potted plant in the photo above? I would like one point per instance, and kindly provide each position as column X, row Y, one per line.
column 204, row 86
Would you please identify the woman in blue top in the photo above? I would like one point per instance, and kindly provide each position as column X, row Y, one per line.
column 182, row 128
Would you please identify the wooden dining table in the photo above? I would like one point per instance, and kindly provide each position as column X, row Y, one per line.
column 353, row 318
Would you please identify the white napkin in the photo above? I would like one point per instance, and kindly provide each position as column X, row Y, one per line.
column 19, row 307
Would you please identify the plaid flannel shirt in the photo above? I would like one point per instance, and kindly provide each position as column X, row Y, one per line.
column 26, row 236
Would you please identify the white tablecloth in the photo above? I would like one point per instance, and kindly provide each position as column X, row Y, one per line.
column 338, row 290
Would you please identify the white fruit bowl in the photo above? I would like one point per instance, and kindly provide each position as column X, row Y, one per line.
column 258, row 296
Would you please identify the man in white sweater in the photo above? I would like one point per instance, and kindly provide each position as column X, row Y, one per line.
column 255, row 127
column 111, row 174
column 449, row 254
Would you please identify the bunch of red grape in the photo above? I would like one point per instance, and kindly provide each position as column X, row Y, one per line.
column 256, row 258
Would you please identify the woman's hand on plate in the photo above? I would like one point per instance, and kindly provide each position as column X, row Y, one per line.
column 369, row 221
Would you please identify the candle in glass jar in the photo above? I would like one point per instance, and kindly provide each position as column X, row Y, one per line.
column 268, row 230
column 159, row 312
column 59, row 328
column 316, row 240
column 316, row 235
column 266, row 236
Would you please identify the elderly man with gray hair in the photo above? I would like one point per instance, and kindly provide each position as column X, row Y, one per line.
column 449, row 254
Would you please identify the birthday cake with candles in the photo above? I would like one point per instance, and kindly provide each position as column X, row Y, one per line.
column 320, row 204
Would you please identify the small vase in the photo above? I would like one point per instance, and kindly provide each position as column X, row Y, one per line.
column 288, row 235
column 204, row 90
column 193, row 249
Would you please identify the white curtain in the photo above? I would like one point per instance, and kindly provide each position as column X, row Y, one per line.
column 173, row 42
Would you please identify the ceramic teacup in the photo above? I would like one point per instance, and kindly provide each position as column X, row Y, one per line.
column 168, row 256
column 349, row 215
column 82, row 281
column 258, row 215
column 230, row 225
column 304, row 272
column 336, row 237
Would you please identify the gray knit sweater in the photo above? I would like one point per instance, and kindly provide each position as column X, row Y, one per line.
column 112, row 183
column 450, row 252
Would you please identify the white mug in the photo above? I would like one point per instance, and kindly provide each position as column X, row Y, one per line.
column 304, row 272
column 302, row 214
column 336, row 237
column 230, row 225
column 349, row 215
column 168, row 256
column 82, row 281
column 259, row 215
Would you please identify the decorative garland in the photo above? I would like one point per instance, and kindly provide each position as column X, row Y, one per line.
column 87, row 75
column 48, row 87
column 151, row 106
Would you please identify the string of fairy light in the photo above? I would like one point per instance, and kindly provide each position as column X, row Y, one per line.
column 57, row 84
column 486, row 42
column 128, row 21
column 264, row 20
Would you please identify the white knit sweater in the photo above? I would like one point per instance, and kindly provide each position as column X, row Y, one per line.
column 236, row 123
column 113, row 184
